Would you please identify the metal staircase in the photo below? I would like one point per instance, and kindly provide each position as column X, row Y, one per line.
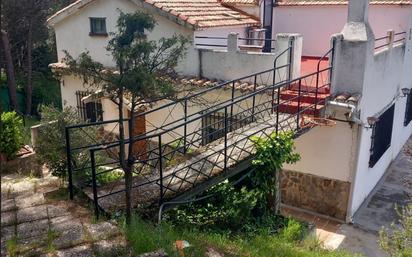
column 200, row 142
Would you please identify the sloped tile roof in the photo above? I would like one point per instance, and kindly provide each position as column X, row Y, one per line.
column 204, row 13
column 240, row 2
column 194, row 13
column 339, row 2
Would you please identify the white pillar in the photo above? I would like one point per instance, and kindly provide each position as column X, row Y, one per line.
column 353, row 50
column 232, row 42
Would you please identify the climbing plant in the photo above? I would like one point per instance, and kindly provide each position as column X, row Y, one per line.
column 243, row 202
column 271, row 154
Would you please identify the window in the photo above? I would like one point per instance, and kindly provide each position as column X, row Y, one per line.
column 381, row 136
column 408, row 110
column 98, row 26
column 91, row 111
column 213, row 125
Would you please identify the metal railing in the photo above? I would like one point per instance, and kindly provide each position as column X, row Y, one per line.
column 207, row 42
column 385, row 41
column 173, row 157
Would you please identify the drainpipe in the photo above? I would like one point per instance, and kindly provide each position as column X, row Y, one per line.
column 352, row 117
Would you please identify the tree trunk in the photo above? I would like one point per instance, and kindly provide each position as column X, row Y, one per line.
column 29, row 86
column 122, row 158
column 11, row 80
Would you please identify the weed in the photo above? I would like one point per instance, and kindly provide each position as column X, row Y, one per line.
column 12, row 246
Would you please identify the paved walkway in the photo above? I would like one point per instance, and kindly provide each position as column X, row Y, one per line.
column 394, row 189
column 36, row 220
column 377, row 211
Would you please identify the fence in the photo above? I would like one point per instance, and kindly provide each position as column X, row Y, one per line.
column 390, row 39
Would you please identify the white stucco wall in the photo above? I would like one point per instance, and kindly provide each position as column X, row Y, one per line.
column 318, row 23
column 217, row 32
column 232, row 63
column 388, row 72
column 326, row 152
column 72, row 33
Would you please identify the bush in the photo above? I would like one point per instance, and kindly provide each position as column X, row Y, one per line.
column 51, row 148
column 293, row 231
column 398, row 241
column 11, row 134
column 244, row 206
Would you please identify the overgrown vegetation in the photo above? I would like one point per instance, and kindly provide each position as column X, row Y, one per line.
column 11, row 134
column 397, row 240
column 238, row 218
column 247, row 201
column 52, row 142
column 145, row 237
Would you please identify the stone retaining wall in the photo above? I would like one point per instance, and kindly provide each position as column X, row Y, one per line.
column 321, row 195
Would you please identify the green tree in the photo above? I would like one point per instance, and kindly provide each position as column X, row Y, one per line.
column 140, row 66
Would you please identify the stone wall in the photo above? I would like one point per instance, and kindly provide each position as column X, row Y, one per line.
column 321, row 195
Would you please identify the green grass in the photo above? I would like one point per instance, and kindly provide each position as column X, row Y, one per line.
column 145, row 237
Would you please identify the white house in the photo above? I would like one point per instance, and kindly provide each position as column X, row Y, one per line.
column 365, row 97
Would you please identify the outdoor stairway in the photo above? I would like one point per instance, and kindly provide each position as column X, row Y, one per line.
column 289, row 102
column 187, row 177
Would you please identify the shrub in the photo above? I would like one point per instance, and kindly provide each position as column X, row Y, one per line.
column 243, row 206
column 293, row 231
column 51, row 148
column 11, row 134
column 398, row 241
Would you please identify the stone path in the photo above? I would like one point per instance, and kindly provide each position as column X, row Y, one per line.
column 36, row 220
column 394, row 189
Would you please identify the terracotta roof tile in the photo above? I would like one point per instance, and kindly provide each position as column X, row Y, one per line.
column 338, row 2
column 196, row 13
column 240, row 2
column 205, row 13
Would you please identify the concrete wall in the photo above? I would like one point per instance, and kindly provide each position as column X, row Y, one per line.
column 233, row 63
column 318, row 23
column 388, row 72
column 217, row 32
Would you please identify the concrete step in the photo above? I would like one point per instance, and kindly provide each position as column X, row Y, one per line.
column 304, row 108
column 310, row 98
column 310, row 88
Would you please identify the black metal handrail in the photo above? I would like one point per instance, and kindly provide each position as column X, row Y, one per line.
column 224, row 39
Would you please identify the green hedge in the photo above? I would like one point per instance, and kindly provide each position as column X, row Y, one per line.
column 11, row 134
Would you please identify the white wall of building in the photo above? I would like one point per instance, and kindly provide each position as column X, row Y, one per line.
column 318, row 23
column 388, row 72
column 72, row 33
column 325, row 154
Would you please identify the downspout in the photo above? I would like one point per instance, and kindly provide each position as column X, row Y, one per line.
column 352, row 117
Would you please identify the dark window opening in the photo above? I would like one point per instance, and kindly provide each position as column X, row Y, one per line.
column 213, row 125
column 381, row 136
column 98, row 26
column 91, row 111
column 408, row 110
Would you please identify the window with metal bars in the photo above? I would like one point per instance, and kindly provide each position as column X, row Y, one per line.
column 213, row 125
column 381, row 136
column 408, row 110
column 91, row 111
